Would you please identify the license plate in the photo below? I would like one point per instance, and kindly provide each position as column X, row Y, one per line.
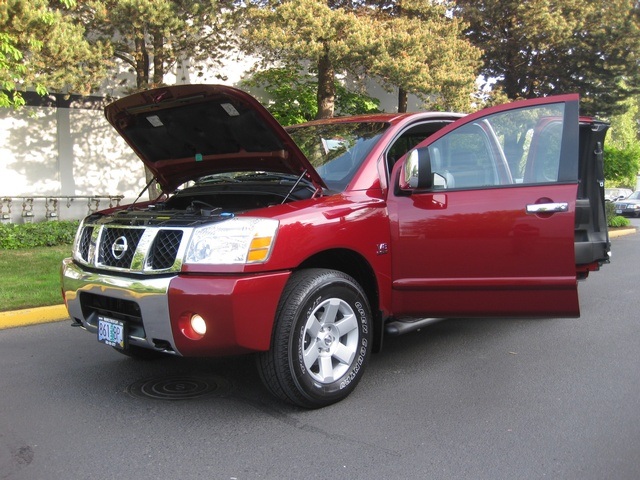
column 111, row 332
column 618, row 210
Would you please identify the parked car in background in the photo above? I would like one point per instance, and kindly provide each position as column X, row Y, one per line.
column 307, row 245
column 614, row 194
column 630, row 206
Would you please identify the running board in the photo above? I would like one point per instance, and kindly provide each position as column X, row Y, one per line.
column 400, row 327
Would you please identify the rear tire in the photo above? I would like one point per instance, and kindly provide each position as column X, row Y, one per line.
column 321, row 339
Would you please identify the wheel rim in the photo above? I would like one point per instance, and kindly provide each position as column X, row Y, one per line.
column 330, row 340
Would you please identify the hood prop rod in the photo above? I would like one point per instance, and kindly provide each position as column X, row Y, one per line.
column 294, row 187
column 141, row 193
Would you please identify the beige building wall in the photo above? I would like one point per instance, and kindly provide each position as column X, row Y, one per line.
column 61, row 148
column 63, row 153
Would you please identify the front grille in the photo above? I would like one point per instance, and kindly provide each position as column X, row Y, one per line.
column 143, row 249
column 116, row 308
column 127, row 311
column 118, row 245
column 164, row 249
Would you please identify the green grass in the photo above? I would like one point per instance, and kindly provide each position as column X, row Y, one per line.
column 31, row 277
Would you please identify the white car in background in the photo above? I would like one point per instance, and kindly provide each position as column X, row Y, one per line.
column 614, row 194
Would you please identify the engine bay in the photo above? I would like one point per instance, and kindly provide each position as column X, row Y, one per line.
column 213, row 198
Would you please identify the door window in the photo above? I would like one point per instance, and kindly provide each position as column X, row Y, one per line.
column 516, row 147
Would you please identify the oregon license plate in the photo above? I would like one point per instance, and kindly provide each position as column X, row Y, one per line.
column 111, row 332
column 618, row 210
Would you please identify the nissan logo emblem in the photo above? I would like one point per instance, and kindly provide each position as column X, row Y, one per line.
column 119, row 247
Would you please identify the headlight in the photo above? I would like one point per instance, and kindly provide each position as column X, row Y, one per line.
column 238, row 240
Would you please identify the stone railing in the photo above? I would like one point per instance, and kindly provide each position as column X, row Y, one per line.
column 51, row 205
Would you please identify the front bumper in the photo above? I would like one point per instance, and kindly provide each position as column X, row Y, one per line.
column 239, row 309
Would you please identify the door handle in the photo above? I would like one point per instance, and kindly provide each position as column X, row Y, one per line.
column 548, row 207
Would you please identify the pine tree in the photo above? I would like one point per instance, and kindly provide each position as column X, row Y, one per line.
column 541, row 47
column 425, row 53
column 42, row 48
column 330, row 39
column 412, row 45
column 151, row 36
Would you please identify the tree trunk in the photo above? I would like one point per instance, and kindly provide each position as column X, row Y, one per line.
column 158, row 58
column 142, row 82
column 142, row 62
column 403, row 100
column 326, row 86
column 153, row 191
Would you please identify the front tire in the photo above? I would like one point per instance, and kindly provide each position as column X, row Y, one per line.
column 321, row 339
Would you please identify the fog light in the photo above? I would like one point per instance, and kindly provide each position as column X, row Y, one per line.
column 198, row 324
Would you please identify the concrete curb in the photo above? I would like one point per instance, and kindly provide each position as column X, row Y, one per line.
column 56, row 313
column 33, row 316
column 619, row 232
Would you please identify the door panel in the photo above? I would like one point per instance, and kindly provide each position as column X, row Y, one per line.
column 476, row 252
column 496, row 236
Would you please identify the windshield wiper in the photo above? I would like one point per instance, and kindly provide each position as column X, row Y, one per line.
column 271, row 176
column 217, row 178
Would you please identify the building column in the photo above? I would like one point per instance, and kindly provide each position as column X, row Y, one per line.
column 65, row 152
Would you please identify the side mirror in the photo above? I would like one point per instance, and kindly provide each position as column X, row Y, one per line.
column 417, row 170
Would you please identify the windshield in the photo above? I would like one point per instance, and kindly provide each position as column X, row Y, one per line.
column 337, row 150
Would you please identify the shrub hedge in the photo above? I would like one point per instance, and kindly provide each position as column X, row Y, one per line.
column 42, row 234
column 614, row 220
column 619, row 221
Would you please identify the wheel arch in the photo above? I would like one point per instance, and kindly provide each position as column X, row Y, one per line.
column 356, row 266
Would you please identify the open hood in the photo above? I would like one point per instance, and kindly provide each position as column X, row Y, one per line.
column 187, row 131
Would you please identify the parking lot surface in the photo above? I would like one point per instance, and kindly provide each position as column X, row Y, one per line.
column 464, row 398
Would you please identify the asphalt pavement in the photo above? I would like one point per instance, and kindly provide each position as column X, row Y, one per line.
column 462, row 399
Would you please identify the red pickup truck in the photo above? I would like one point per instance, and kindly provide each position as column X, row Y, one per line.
column 307, row 245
